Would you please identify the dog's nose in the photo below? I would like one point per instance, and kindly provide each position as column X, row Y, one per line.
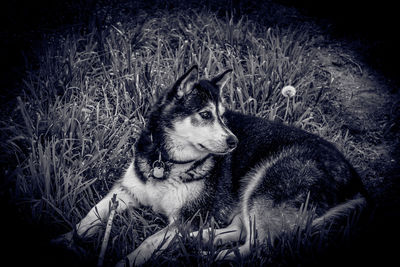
column 232, row 141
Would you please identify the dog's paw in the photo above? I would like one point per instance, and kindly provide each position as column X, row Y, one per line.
column 69, row 242
column 63, row 240
column 123, row 263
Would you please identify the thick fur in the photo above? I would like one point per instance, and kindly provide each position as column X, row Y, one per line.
column 238, row 168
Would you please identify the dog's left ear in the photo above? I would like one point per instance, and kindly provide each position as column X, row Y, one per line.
column 221, row 79
column 186, row 82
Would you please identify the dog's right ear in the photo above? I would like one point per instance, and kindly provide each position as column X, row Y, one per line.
column 221, row 79
column 185, row 83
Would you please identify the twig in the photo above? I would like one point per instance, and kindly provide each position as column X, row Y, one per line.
column 114, row 205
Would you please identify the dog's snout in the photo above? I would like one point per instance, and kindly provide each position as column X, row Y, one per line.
column 232, row 141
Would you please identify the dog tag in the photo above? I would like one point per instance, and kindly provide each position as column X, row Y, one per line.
column 158, row 168
column 158, row 172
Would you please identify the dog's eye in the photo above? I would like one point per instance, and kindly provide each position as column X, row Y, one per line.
column 206, row 115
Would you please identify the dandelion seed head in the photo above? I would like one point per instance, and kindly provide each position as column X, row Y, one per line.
column 288, row 91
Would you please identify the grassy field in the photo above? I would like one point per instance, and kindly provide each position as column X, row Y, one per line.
column 83, row 106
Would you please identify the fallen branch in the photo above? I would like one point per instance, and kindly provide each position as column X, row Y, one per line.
column 114, row 205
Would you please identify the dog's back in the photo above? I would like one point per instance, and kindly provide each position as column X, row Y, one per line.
column 265, row 140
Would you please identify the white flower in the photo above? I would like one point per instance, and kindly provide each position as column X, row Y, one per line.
column 288, row 91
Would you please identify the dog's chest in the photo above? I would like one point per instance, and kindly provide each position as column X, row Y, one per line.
column 169, row 195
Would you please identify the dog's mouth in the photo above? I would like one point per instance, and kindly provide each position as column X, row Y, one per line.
column 202, row 147
column 216, row 152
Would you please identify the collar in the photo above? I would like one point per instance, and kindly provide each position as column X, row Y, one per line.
column 159, row 167
column 179, row 161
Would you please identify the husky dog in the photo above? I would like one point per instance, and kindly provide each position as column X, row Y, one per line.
column 247, row 172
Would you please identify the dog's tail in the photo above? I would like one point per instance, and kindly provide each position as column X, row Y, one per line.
column 353, row 206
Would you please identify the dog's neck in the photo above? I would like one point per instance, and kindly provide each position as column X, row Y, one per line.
column 155, row 149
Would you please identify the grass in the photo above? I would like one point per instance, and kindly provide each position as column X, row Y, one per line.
column 84, row 105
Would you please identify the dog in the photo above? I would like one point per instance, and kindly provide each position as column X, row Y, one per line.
column 249, row 173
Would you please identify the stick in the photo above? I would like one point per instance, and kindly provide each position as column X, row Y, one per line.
column 114, row 205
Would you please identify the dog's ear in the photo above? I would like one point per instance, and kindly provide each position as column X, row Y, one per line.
column 221, row 79
column 186, row 82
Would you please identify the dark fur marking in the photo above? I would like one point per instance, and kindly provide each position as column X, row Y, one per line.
column 194, row 121
column 192, row 171
column 140, row 174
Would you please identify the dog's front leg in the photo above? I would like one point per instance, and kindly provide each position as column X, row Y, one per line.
column 155, row 243
column 232, row 233
column 90, row 224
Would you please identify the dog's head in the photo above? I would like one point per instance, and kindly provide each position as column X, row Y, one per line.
column 196, row 114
